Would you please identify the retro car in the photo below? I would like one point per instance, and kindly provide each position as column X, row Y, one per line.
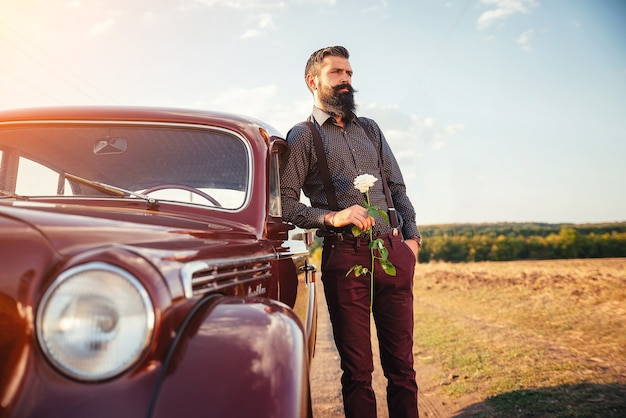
column 145, row 267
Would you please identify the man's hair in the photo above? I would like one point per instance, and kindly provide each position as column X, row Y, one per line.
column 314, row 63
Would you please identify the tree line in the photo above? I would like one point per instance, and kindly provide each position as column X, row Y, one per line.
column 521, row 241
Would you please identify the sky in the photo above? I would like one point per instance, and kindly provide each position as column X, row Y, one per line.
column 497, row 110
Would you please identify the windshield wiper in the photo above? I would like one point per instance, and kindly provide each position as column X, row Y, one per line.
column 113, row 190
column 12, row 195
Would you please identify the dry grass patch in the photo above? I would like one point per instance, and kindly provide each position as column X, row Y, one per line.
column 501, row 327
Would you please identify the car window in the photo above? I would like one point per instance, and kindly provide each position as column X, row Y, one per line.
column 275, row 208
column 200, row 166
column 37, row 179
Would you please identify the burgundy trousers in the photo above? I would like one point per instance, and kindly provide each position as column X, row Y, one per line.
column 348, row 300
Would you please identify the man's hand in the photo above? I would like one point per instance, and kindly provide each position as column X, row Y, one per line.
column 354, row 215
column 414, row 246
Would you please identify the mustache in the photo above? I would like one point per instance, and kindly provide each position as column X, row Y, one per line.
column 344, row 86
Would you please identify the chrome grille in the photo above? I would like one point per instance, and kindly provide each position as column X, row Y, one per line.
column 201, row 277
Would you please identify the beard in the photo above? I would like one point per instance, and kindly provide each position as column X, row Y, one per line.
column 338, row 104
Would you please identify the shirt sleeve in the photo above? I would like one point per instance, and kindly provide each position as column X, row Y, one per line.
column 295, row 168
column 395, row 181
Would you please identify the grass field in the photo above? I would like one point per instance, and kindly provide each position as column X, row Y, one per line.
column 532, row 338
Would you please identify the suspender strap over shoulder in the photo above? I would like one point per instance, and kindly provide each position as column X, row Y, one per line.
column 393, row 218
column 331, row 195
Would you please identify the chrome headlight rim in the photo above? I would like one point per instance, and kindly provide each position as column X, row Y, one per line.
column 62, row 279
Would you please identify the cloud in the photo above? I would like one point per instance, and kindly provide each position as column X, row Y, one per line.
column 428, row 131
column 268, row 105
column 251, row 33
column 263, row 21
column 235, row 4
column 524, row 39
column 437, row 137
column 327, row 2
column 502, row 10
column 455, row 129
column 101, row 27
column 405, row 131
column 255, row 11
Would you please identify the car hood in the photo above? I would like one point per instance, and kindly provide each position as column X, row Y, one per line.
column 167, row 240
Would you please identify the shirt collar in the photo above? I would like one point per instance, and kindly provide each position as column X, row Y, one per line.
column 321, row 117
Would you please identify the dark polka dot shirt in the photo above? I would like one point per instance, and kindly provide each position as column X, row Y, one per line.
column 350, row 153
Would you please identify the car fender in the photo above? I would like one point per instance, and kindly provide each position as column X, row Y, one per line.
column 236, row 357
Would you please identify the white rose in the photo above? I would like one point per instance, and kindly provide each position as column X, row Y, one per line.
column 364, row 182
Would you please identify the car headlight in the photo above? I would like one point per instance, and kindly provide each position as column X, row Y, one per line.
column 95, row 321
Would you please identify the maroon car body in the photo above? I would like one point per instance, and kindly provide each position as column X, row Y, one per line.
column 146, row 270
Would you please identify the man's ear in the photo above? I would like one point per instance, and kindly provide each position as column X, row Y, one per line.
column 311, row 81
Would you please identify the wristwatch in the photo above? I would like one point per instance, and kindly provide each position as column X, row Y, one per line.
column 417, row 239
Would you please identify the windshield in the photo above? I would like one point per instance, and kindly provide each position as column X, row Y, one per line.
column 194, row 165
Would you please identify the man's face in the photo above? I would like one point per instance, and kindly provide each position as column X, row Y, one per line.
column 336, row 71
column 334, row 87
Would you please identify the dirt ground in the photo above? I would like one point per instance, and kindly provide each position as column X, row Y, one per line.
column 326, row 374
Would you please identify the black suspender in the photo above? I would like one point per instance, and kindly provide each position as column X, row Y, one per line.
column 331, row 195
column 393, row 219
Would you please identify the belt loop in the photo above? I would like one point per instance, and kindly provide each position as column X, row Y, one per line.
column 390, row 239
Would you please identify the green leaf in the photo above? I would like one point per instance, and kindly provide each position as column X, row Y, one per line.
column 373, row 211
column 356, row 231
column 377, row 244
column 384, row 253
column 358, row 270
column 388, row 268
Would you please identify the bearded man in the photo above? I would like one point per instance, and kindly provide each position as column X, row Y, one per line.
column 348, row 147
